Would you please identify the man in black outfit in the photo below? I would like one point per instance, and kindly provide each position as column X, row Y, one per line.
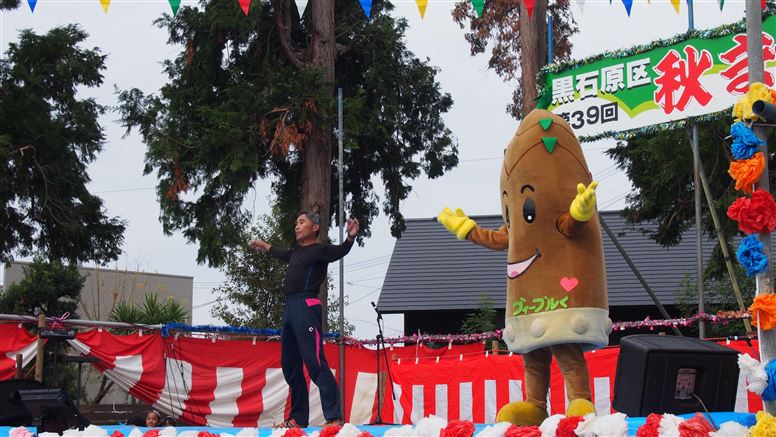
column 300, row 339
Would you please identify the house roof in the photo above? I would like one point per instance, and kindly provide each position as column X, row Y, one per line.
column 430, row 269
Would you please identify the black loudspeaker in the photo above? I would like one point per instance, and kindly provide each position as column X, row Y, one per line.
column 668, row 374
column 52, row 407
column 12, row 411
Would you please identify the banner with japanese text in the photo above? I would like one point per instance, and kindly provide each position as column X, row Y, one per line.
column 665, row 81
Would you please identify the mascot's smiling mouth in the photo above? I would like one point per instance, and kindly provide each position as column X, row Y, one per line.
column 516, row 269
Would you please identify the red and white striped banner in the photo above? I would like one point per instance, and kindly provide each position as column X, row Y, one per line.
column 474, row 388
column 240, row 382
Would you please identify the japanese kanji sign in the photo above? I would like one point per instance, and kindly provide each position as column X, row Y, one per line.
column 617, row 93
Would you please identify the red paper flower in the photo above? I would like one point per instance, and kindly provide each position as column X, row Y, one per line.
column 650, row 427
column 117, row 433
column 365, row 434
column 458, row 428
column 567, row 425
column 294, row 432
column 523, row 431
column 206, row 434
column 698, row 426
column 330, row 431
column 151, row 433
column 754, row 214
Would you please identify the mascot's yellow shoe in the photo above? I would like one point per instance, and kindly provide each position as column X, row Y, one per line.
column 521, row 414
column 580, row 407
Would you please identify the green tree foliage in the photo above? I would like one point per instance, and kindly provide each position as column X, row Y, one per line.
column 47, row 138
column 518, row 43
column 660, row 166
column 252, row 295
column 252, row 98
column 482, row 320
column 48, row 286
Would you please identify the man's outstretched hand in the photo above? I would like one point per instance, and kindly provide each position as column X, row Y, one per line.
column 260, row 245
column 352, row 226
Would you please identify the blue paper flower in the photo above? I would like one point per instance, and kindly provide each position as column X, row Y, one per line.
column 745, row 142
column 750, row 255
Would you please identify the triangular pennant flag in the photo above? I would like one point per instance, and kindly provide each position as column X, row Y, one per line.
column 422, row 7
column 721, row 4
column 675, row 4
column 245, row 5
column 762, row 4
column 529, row 6
column 32, row 4
column 301, row 5
column 175, row 4
column 549, row 143
column 581, row 4
column 478, row 5
column 545, row 122
column 105, row 4
column 367, row 6
column 628, row 5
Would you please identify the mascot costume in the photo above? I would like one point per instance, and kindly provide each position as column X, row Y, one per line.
column 556, row 282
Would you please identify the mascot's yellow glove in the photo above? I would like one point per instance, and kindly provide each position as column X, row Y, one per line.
column 583, row 206
column 456, row 222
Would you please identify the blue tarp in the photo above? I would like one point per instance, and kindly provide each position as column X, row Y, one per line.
column 746, row 419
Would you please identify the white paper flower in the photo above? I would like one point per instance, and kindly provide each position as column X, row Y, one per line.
column 495, row 430
column 730, row 429
column 669, row 425
column 429, row 426
column 754, row 372
column 348, row 430
column 550, row 425
column 404, row 431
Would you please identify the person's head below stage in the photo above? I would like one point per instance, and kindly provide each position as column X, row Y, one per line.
column 169, row 421
column 308, row 223
column 153, row 418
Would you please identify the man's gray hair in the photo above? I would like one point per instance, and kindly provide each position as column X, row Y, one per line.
column 313, row 216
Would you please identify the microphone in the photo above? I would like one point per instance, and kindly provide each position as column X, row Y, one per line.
column 379, row 314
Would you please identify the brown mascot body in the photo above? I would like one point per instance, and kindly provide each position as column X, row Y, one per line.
column 556, row 281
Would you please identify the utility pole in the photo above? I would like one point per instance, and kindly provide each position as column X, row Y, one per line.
column 754, row 25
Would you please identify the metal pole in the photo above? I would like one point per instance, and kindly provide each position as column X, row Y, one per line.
column 636, row 272
column 754, row 25
column 696, row 165
column 341, row 219
column 549, row 37
column 724, row 248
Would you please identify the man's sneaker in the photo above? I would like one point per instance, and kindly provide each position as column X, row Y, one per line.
column 289, row 423
column 334, row 422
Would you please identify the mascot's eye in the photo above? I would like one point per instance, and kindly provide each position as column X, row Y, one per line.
column 529, row 210
column 506, row 215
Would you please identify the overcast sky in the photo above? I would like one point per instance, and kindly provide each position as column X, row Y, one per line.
column 478, row 120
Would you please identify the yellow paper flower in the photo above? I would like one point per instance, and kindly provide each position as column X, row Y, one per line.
column 746, row 172
column 765, row 427
column 743, row 107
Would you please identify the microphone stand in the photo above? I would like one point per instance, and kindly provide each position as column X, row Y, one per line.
column 381, row 344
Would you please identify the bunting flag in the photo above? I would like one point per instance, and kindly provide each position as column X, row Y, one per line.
column 721, row 4
column 762, row 4
column 529, row 5
column 478, row 5
column 367, row 6
column 628, row 5
column 245, row 5
column 422, row 7
column 675, row 4
column 105, row 4
column 32, row 4
column 175, row 4
column 301, row 5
